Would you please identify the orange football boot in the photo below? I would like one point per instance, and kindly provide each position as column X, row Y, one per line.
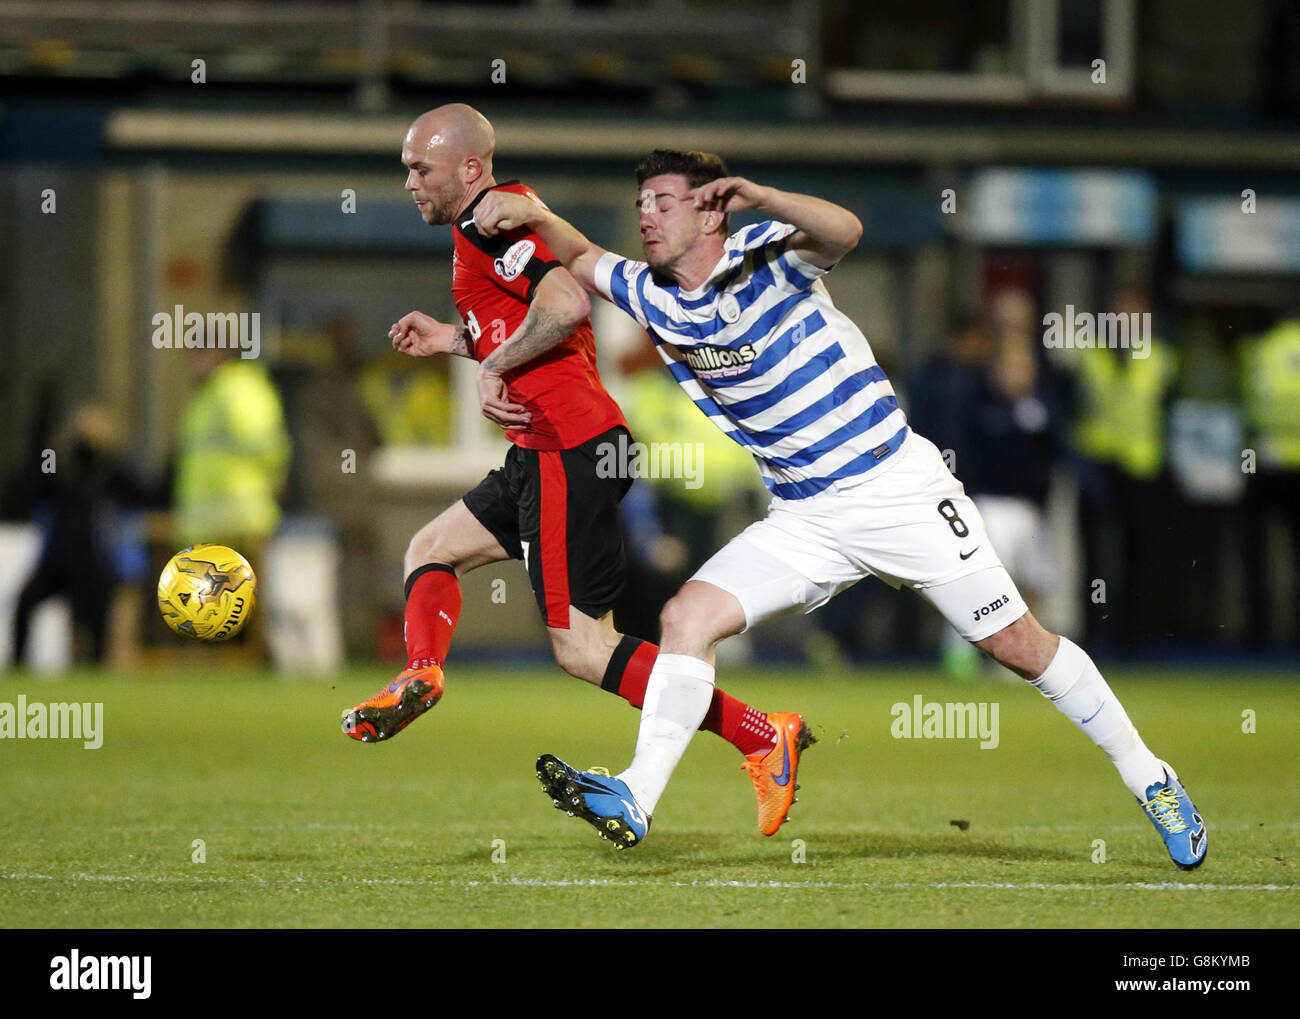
column 396, row 706
column 774, row 771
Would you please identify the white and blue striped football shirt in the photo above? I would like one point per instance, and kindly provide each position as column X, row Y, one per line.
column 765, row 354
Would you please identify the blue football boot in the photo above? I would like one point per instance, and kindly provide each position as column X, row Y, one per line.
column 605, row 803
column 1177, row 820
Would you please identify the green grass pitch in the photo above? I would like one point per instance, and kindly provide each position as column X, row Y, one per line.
column 302, row 827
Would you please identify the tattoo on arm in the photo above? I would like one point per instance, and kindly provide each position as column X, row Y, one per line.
column 541, row 330
column 462, row 344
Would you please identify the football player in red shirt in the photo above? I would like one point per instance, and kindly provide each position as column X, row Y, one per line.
column 526, row 323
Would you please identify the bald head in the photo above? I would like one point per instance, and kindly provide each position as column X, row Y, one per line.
column 448, row 152
column 456, row 129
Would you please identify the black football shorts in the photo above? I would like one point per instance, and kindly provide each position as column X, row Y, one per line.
column 557, row 510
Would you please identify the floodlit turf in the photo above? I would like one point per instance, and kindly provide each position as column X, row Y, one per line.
column 304, row 827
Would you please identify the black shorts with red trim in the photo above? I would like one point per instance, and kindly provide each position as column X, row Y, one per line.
column 557, row 510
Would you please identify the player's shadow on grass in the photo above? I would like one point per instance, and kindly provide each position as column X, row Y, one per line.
column 665, row 855
column 823, row 848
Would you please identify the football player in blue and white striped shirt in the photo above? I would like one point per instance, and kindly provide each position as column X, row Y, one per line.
column 748, row 330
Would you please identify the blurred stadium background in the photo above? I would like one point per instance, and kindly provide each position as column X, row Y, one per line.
column 1009, row 158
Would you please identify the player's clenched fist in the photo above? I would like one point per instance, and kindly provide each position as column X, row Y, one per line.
column 730, row 194
column 420, row 335
column 502, row 211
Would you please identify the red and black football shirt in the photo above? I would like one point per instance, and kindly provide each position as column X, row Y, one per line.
column 492, row 283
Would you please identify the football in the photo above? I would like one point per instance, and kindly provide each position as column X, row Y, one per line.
column 207, row 592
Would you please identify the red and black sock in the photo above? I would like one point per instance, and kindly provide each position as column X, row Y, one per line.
column 628, row 672
column 433, row 603
column 745, row 728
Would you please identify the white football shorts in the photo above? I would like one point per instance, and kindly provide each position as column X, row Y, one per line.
column 913, row 525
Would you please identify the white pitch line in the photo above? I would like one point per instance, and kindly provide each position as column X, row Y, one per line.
column 885, row 886
column 1160, row 886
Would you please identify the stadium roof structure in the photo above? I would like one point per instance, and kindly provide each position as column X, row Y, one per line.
column 561, row 137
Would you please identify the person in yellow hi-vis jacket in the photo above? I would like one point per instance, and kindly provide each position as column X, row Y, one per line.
column 232, row 455
column 1271, row 403
column 1126, row 499
column 410, row 406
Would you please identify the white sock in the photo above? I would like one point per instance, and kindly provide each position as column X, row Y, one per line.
column 1079, row 692
column 677, row 696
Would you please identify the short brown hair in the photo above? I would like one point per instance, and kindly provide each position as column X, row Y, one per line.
column 697, row 167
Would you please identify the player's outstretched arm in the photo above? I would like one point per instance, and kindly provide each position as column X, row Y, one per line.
column 420, row 335
column 825, row 233
column 501, row 211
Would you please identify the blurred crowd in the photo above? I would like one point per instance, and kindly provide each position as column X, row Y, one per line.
column 265, row 458
column 1165, row 488
column 1171, row 471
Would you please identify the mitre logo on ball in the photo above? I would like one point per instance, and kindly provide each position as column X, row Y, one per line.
column 207, row 592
